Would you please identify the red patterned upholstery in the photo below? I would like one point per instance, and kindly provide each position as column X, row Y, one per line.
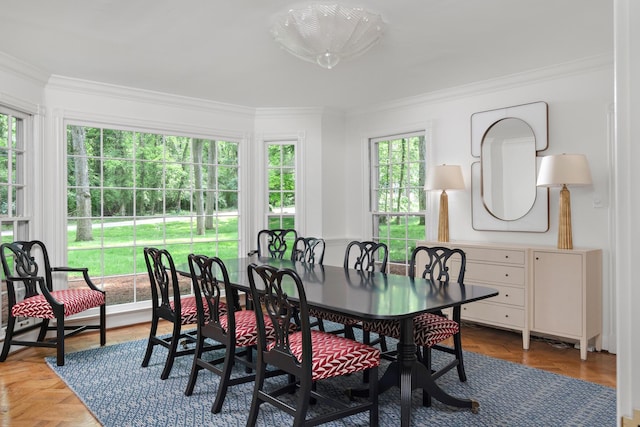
column 74, row 300
column 246, row 328
column 429, row 328
column 332, row 317
column 334, row 355
column 189, row 310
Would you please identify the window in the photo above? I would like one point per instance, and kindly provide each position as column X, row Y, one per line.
column 281, row 173
column 14, row 219
column 398, row 200
column 128, row 190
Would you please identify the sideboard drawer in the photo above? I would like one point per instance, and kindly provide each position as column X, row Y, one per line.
column 508, row 295
column 506, row 256
column 494, row 273
column 494, row 314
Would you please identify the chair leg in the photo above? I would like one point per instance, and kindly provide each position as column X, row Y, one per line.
column 256, row 401
column 173, row 347
column 150, row 343
column 457, row 342
column 426, row 359
column 11, row 322
column 373, row 396
column 60, row 340
column 224, row 378
column 348, row 332
column 103, row 325
column 44, row 327
column 383, row 343
column 303, row 401
column 249, row 357
column 195, row 368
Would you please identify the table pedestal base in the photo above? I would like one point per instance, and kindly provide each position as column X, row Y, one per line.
column 409, row 374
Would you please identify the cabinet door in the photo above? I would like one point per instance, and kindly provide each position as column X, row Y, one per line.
column 557, row 293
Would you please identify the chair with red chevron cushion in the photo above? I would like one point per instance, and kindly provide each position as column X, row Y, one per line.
column 168, row 303
column 234, row 328
column 365, row 257
column 31, row 294
column 307, row 355
column 431, row 329
column 310, row 252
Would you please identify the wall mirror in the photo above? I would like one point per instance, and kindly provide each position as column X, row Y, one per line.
column 504, row 192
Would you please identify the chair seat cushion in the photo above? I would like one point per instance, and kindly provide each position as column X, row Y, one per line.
column 429, row 328
column 189, row 310
column 332, row 317
column 334, row 355
column 246, row 328
column 74, row 300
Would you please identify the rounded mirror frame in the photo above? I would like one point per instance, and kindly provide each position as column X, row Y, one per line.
column 536, row 218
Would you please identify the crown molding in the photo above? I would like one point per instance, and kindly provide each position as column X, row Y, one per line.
column 510, row 81
column 129, row 94
column 22, row 69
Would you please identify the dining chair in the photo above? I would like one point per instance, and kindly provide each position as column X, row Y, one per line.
column 275, row 243
column 310, row 251
column 30, row 294
column 365, row 256
column 432, row 329
column 234, row 328
column 168, row 303
column 307, row 355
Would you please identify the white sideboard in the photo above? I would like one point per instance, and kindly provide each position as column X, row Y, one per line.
column 544, row 290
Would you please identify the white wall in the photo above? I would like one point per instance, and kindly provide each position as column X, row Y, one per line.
column 305, row 126
column 579, row 97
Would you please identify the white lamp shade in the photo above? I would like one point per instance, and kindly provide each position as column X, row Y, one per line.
column 561, row 169
column 445, row 177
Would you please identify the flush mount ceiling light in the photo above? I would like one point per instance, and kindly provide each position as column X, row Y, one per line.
column 327, row 33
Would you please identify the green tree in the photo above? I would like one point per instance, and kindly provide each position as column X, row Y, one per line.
column 84, row 230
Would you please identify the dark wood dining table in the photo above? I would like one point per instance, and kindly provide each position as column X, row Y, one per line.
column 372, row 296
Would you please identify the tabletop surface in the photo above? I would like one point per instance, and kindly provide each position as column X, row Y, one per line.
column 364, row 295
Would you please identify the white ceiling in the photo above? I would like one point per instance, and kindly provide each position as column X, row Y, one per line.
column 222, row 49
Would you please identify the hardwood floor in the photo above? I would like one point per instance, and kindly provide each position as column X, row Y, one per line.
column 32, row 395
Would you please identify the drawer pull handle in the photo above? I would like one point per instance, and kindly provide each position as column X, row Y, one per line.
column 506, row 315
column 506, row 256
column 506, row 275
column 506, row 295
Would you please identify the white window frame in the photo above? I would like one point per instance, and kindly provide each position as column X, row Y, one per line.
column 20, row 221
column 162, row 132
column 396, row 265
column 260, row 177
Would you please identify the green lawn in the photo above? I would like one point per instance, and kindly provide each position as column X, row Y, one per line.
column 118, row 249
column 112, row 250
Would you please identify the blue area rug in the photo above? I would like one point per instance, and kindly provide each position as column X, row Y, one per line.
column 120, row 393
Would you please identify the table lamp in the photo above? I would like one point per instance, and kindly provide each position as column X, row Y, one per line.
column 562, row 170
column 444, row 177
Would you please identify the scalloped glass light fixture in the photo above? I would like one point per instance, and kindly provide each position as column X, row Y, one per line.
column 327, row 33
